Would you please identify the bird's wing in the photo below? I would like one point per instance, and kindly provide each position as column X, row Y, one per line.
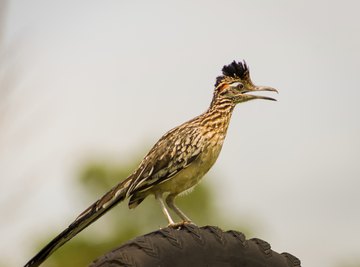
column 172, row 153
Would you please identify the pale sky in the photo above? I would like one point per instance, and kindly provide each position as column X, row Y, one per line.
column 106, row 78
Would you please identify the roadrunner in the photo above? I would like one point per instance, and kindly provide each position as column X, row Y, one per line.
column 177, row 162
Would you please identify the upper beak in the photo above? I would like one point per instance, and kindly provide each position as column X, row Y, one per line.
column 261, row 88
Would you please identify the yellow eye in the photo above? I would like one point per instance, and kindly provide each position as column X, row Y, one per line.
column 237, row 85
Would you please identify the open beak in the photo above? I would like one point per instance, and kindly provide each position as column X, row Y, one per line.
column 259, row 88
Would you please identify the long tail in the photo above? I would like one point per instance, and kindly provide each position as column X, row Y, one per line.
column 87, row 217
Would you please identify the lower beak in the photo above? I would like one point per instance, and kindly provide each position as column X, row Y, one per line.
column 261, row 88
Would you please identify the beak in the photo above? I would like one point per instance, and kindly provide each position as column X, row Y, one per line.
column 260, row 88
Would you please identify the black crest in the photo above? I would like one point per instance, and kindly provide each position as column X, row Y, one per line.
column 234, row 70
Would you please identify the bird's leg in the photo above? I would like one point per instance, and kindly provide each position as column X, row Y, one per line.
column 159, row 197
column 170, row 202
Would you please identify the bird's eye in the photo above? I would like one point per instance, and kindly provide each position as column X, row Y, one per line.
column 237, row 85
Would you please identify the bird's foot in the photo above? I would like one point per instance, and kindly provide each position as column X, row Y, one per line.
column 179, row 224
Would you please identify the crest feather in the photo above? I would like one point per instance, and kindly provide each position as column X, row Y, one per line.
column 234, row 70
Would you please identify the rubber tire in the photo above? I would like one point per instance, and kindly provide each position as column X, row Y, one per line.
column 194, row 246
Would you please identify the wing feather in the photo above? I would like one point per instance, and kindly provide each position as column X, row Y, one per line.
column 170, row 155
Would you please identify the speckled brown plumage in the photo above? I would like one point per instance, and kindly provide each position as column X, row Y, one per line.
column 177, row 162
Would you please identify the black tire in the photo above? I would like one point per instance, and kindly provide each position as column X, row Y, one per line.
column 193, row 246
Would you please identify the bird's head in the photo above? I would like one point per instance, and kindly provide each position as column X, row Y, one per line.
column 235, row 85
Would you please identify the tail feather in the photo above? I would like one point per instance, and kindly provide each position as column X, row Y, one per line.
column 90, row 215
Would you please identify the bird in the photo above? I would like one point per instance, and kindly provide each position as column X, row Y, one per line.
column 177, row 162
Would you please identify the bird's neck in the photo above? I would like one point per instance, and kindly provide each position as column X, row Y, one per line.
column 218, row 115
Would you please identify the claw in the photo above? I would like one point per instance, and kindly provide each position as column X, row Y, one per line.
column 179, row 224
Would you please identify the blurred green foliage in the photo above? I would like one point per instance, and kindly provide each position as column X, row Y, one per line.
column 122, row 224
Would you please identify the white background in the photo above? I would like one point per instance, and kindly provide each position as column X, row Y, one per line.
column 108, row 78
